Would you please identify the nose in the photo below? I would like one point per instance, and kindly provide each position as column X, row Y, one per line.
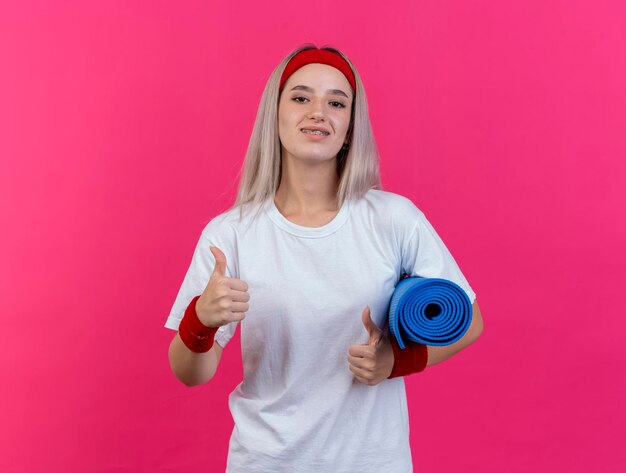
column 316, row 110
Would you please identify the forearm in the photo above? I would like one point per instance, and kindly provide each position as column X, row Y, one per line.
column 189, row 367
column 437, row 354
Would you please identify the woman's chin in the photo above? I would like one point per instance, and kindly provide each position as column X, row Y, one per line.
column 314, row 156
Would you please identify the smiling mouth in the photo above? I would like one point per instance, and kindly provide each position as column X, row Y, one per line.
column 315, row 132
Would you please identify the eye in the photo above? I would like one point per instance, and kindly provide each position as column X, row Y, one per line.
column 334, row 103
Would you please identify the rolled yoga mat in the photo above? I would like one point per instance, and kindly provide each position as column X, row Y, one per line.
column 431, row 311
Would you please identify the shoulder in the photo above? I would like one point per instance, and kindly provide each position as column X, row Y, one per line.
column 230, row 222
column 398, row 208
column 389, row 215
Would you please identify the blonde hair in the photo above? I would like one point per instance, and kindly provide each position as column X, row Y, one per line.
column 357, row 167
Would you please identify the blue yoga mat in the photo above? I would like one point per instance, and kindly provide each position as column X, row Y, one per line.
column 431, row 311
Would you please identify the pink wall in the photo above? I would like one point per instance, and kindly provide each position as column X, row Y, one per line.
column 123, row 125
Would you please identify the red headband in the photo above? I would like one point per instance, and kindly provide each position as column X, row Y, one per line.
column 320, row 56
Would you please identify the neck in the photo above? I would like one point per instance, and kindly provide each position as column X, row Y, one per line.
column 307, row 188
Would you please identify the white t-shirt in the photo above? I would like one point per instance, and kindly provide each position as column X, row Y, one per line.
column 299, row 407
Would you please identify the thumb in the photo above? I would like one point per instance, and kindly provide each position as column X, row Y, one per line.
column 370, row 326
column 220, row 261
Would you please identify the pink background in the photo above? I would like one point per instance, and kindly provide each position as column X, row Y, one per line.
column 123, row 125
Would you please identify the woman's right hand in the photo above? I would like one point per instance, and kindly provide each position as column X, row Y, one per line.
column 224, row 299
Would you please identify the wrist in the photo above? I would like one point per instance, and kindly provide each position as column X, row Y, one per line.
column 412, row 359
column 195, row 335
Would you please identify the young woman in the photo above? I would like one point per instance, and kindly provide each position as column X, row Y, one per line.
column 305, row 263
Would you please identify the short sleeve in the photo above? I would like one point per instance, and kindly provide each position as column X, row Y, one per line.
column 197, row 277
column 424, row 254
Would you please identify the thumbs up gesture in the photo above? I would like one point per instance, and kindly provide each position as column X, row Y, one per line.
column 224, row 299
column 373, row 361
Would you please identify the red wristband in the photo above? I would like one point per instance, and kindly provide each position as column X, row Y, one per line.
column 195, row 335
column 412, row 359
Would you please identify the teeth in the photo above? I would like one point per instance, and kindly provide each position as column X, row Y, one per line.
column 314, row 132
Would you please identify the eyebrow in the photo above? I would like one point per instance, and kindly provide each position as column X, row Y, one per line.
column 330, row 91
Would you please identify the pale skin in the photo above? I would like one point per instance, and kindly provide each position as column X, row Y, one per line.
column 316, row 95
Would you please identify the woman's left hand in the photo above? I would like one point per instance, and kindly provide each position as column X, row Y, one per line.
column 371, row 362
